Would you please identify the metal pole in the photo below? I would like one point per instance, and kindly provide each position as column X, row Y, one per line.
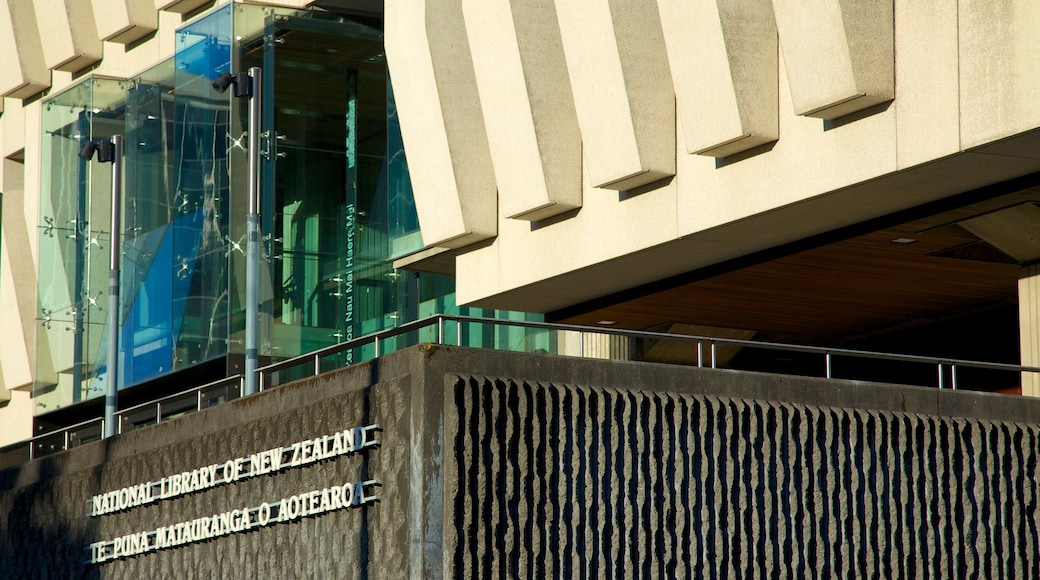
column 828, row 365
column 112, row 390
column 253, row 238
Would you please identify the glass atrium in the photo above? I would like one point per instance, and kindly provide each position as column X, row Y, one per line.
column 336, row 209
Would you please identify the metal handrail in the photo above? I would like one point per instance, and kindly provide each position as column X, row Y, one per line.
column 438, row 322
column 66, row 432
column 827, row 352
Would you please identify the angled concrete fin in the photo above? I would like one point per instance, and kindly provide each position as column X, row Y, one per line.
column 68, row 33
column 622, row 89
column 723, row 57
column 181, row 6
column 839, row 54
column 124, row 21
column 23, row 72
column 528, row 109
column 442, row 124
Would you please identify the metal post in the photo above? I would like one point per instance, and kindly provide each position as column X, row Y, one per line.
column 828, row 365
column 713, row 360
column 953, row 376
column 940, row 375
column 700, row 354
column 377, row 346
column 253, row 237
column 112, row 390
column 458, row 332
column 440, row 330
column 198, row 406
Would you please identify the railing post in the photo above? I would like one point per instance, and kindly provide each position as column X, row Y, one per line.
column 158, row 413
column 440, row 330
column 700, row 354
column 713, row 363
column 377, row 346
column 317, row 365
column 66, row 440
column 828, row 356
column 581, row 344
column 198, row 404
column 458, row 332
column 940, row 375
column 953, row 376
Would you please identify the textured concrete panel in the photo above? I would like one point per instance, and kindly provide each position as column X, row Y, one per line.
column 585, row 482
column 622, row 88
column 124, row 21
column 927, row 66
column 442, row 125
column 839, row 54
column 528, row 107
column 17, row 279
column 68, row 33
column 530, row 466
column 23, row 72
column 999, row 63
column 723, row 57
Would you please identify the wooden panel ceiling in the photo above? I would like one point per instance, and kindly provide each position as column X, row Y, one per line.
column 836, row 293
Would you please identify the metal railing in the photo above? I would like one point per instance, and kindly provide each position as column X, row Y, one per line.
column 150, row 413
column 941, row 364
column 310, row 364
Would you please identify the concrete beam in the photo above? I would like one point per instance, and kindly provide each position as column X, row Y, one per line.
column 723, row 57
column 68, row 33
column 839, row 54
column 23, row 72
column 442, row 125
column 622, row 88
column 180, row 6
column 124, row 21
column 525, row 94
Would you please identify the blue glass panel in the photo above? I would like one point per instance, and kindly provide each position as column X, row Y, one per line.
column 204, row 46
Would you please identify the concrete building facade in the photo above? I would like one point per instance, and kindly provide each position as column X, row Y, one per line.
column 790, row 181
column 832, row 173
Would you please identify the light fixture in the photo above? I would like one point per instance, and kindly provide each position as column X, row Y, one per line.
column 607, row 322
column 104, row 148
column 244, row 84
column 903, row 241
column 111, row 151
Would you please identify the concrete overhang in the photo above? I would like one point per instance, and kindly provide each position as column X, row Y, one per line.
column 966, row 171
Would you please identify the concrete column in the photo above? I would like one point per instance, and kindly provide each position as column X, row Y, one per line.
column 591, row 345
column 1029, row 325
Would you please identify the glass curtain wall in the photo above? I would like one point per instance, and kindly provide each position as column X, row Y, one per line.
column 72, row 282
column 336, row 208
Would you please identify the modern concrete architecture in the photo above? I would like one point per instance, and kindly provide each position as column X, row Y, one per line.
column 825, row 175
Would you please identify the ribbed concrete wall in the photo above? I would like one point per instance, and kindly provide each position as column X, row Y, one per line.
column 558, row 481
column 572, row 469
